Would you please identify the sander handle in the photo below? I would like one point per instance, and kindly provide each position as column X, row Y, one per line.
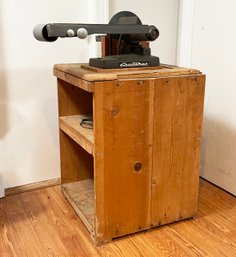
column 51, row 31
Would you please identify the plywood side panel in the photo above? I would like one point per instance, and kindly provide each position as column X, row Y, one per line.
column 178, row 112
column 123, row 136
column 73, row 100
column 76, row 163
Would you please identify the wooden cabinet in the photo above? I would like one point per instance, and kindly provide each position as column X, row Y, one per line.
column 139, row 166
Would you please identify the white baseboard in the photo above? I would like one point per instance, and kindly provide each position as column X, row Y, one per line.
column 32, row 186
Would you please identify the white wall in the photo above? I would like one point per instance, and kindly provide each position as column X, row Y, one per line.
column 28, row 98
column 29, row 150
column 162, row 14
column 214, row 52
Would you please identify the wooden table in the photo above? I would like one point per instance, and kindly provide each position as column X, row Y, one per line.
column 138, row 167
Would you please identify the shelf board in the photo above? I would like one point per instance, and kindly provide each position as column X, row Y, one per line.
column 83, row 136
column 64, row 72
column 84, row 76
column 81, row 196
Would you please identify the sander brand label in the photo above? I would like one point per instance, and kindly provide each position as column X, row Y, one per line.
column 133, row 64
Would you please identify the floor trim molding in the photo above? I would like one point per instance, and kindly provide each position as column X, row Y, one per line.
column 32, row 186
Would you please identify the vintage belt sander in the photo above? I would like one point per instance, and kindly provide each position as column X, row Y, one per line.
column 125, row 40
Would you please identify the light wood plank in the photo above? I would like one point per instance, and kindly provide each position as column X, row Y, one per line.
column 176, row 149
column 19, row 226
column 83, row 136
column 83, row 75
column 6, row 245
column 73, row 80
column 39, row 213
column 123, row 119
column 162, row 73
column 81, row 196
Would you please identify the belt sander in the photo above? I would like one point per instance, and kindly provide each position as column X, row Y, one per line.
column 125, row 40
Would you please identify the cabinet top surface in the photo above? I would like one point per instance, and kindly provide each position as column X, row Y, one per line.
column 92, row 74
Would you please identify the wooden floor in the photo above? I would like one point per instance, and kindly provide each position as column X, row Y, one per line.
column 42, row 223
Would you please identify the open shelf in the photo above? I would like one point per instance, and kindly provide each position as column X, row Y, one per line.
column 83, row 136
column 81, row 196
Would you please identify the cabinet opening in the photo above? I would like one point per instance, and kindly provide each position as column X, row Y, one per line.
column 77, row 178
column 75, row 105
column 73, row 101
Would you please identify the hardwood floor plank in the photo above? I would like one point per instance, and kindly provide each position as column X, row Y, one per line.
column 170, row 244
column 80, row 240
column 56, row 217
column 42, row 223
column 44, row 230
column 19, row 233
column 211, row 225
column 6, row 247
column 203, row 239
column 148, row 247
column 127, row 247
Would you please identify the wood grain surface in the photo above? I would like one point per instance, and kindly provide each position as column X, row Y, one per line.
column 73, row 100
column 73, row 80
column 42, row 223
column 122, row 118
column 81, row 196
column 176, row 148
column 82, row 75
column 76, row 163
column 83, row 136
